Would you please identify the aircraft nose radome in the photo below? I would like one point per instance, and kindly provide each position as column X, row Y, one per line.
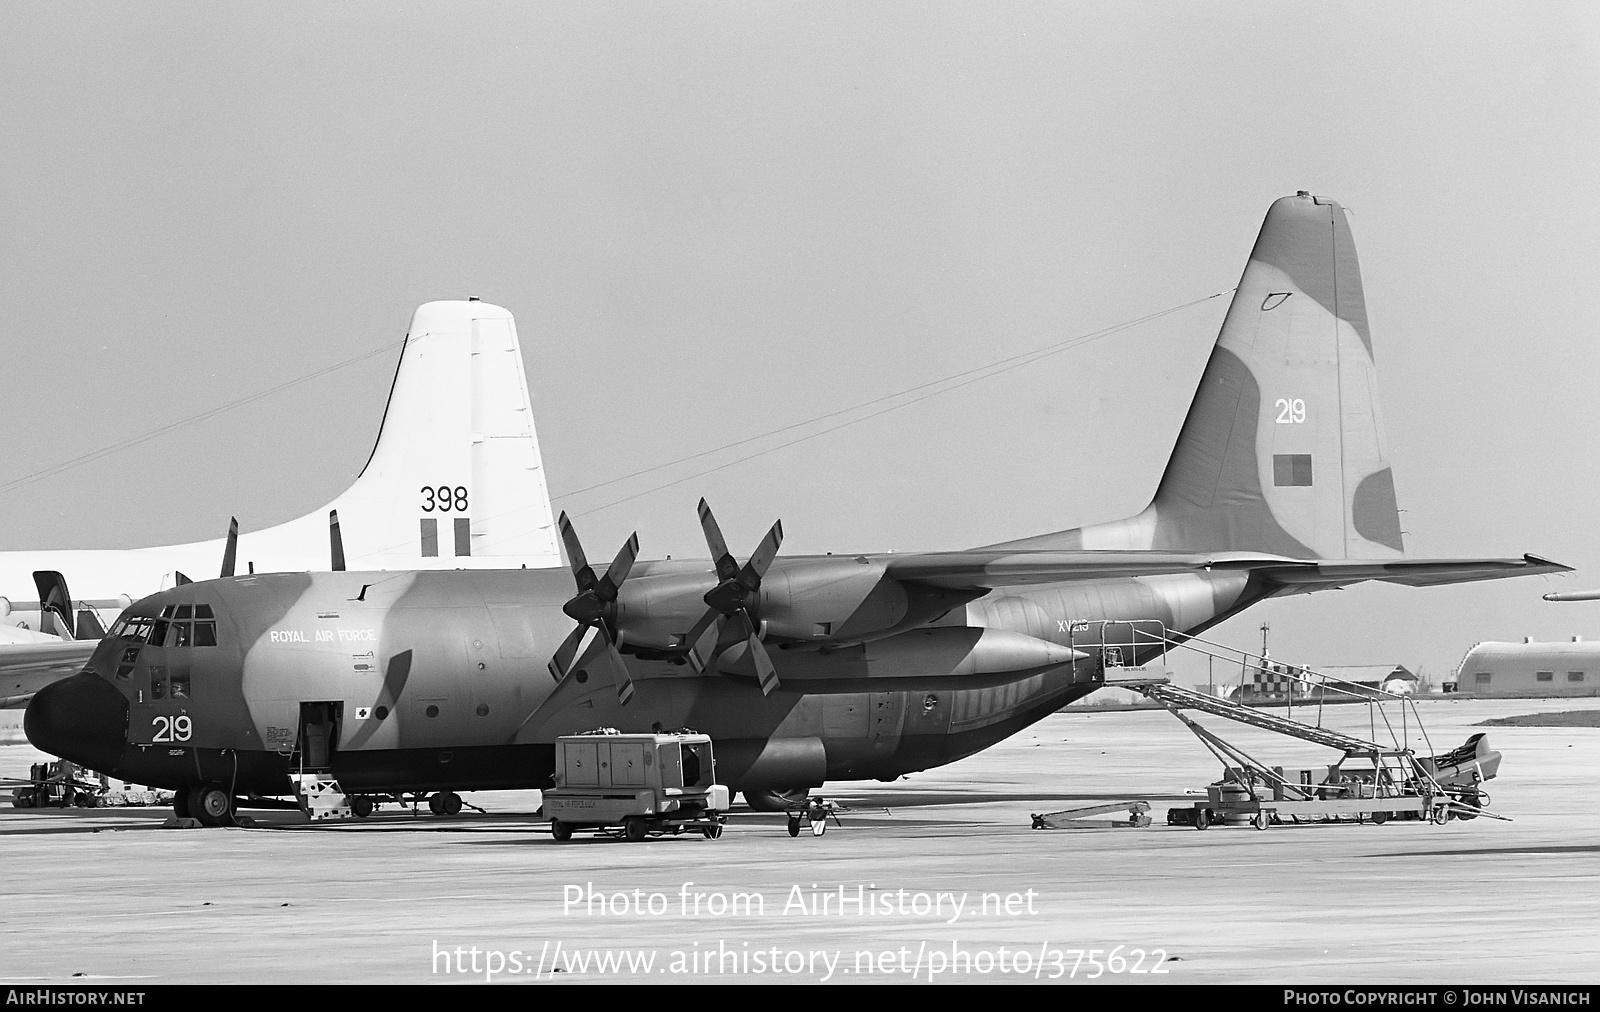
column 81, row 718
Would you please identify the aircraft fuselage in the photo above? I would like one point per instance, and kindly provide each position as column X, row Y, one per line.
column 438, row 680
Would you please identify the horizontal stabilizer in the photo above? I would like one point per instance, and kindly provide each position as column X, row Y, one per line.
column 1410, row 572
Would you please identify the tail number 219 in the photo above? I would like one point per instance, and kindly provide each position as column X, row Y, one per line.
column 168, row 729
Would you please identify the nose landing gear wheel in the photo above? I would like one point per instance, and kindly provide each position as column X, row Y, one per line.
column 212, row 805
column 794, row 826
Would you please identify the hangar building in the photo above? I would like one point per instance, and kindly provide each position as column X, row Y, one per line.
column 1530, row 669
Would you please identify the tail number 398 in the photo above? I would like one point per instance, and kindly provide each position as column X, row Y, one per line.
column 444, row 499
column 179, row 728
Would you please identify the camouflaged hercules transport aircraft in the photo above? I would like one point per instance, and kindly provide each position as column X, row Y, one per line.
column 454, row 481
column 802, row 669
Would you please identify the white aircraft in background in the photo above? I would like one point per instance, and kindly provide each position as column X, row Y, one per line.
column 454, row 482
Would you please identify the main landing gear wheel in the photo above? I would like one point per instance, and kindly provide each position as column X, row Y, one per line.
column 1262, row 820
column 634, row 828
column 361, row 806
column 444, row 803
column 1202, row 818
column 560, row 830
column 212, row 805
column 180, row 803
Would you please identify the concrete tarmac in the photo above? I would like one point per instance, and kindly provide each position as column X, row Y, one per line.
column 941, row 878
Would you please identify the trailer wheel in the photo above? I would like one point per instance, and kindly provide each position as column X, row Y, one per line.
column 1379, row 818
column 560, row 830
column 1471, row 800
column 1441, row 814
column 1262, row 820
column 1202, row 818
column 635, row 828
column 361, row 806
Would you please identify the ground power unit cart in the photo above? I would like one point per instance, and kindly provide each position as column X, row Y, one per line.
column 635, row 785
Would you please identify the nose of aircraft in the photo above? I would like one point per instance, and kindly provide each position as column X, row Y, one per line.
column 81, row 718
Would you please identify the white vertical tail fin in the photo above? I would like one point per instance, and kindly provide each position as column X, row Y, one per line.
column 455, row 480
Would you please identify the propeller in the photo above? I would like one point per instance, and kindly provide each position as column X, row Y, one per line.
column 595, row 607
column 729, row 620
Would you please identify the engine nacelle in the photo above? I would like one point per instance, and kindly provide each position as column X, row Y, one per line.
column 833, row 599
column 953, row 657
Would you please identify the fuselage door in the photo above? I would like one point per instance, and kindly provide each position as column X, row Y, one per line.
column 318, row 739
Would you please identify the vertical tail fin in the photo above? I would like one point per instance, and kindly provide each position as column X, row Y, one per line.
column 1283, row 450
column 455, row 480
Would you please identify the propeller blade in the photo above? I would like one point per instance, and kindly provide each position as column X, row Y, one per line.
column 231, row 552
column 620, row 567
column 727, row 565
column 335, row 542
column 603, row 657
column 561, row 663
column 619, row 674
column 766, row 672
column 579, row 562
column 703, row 640
column 756, row 568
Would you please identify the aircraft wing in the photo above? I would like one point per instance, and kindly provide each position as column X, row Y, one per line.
column 965, row 570
column 27, row 667
column 993, row 569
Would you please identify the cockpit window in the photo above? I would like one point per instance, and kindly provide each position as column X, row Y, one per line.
column 180, row 625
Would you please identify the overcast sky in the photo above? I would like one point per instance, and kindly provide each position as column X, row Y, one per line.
column 712, row 220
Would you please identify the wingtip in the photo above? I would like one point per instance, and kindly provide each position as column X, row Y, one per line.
column 1534, row 560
